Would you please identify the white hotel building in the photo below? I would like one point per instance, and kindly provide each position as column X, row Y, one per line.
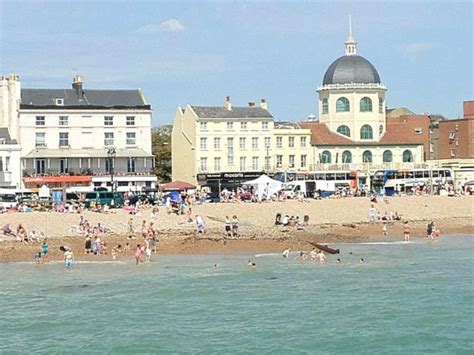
column 79, row 137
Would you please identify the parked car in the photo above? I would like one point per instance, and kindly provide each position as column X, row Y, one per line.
column 113, row 199
column 143, row 198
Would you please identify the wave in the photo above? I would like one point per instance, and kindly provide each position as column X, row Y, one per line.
column 387, row 243
column 267, row 254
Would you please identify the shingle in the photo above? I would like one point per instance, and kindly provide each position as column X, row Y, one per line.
column 235, row 112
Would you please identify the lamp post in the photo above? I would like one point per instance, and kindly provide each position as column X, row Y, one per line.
column 111, row 153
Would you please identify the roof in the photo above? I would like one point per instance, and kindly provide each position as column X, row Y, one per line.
column 85, row 153
column 177, row 186
column 320, row 134
column 286, row 125
column 398, row 111
column 235, row 112
column 32, row 98
column 351, row 69
column 5, row 135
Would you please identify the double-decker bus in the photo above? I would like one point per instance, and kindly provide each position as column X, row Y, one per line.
column 393, row 181
column 341, row 178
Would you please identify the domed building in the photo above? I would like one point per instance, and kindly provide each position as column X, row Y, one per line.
column 353, row 128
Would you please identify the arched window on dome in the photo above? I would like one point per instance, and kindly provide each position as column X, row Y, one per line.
column 387, row 156
column 343, row 129
column 342, row 105
column 380, row 129
column 326, row 157
column 366, row 132
column 346, row 157
column 380, row 105
column 325, row 106
column 367, row 157
column 407, row 156
column 365, row 104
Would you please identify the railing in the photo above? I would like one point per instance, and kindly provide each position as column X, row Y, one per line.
column 352, row 86
column 32, row 173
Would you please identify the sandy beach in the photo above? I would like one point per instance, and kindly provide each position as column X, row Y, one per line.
column 331, row 221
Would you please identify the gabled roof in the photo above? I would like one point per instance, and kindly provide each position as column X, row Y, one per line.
column 321, row 135
column 235, row 112
column 32, row 98
column 5, row 136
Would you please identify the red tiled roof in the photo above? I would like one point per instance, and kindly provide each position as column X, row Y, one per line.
column 320, row 134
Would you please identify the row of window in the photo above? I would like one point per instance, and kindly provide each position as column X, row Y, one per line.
column 40, row 139
column 230, row 126
column 255, row 142
column 254, row 163
column 64, row 165
column 64, row 121
column 326, row 157
column 343, row 105
column 365, row 131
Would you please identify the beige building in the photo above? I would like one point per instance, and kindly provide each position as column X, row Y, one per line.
column 210, row 140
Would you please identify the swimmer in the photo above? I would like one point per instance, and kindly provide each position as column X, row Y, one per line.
column 338, row 261
column 251, row 263
column 321, row 256
column 313, row 254
column 361, row 260
column 68, row 259
column 302, row 256
column 286, row 253
column 216, row 265
column 138, row 255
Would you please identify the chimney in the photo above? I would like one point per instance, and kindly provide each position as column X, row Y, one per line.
column 263, row 104
column 228, row 103
column 251, row 104
column 77, row 86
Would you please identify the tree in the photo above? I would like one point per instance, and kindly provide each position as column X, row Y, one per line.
column 161, row 148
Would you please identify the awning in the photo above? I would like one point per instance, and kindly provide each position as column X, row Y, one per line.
column 57, row 179
column 86, row 153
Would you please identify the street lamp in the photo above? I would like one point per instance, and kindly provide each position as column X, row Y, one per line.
column 111, row 153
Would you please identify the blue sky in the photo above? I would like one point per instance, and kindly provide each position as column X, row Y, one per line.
column 198, row 52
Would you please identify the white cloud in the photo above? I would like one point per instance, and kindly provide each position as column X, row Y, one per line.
column 171, row 25
column 413, row 50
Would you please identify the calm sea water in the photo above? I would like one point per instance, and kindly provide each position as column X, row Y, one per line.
column 406, row 298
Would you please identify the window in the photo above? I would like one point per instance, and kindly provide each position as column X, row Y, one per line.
column 230, row 155
column 325, row 106
column 367, row 157
column 130, row 121
column 303, row 142
column 407, row 156
column 203, row 126
column 40, row 139
column 264, row 125
column 387, row 156
column 291, row 161
column 342, row 105
column 203, row 143
column 40, row 120
column 346, row 157
column 217, row 143
column 242, row 164
column 131, row 138
column 291, row 142
column 380, row 105
column 325, row 157
column 254, row 163
column 267, row 163
column 242, row 142
column 40, row 166
column 63, row 120
column 279, row 142
column 230, row 125
column 303, row 161
column 7, row 164
column 453, row 152
column 131, row 164
column 243, row 125
column 418, row 130
column 203, row 164
column 108, row 120
column 344, row 130
column 452, row 135
column 431, row 148
column 380, row 129
column 254, row 142
column 217, row 164
column 230, row 142
column 59, row 102
column 63, row 139
column 366, row 132
column 365, row 104
column 279, row 161
column 108, row 138
column 267, row 142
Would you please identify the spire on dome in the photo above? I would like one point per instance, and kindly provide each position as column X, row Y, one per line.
column 351, row 44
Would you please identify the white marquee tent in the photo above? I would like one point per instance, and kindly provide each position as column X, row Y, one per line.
column 264, row 185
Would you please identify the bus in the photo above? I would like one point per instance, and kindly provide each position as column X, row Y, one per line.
column 341, row 178
column 390, row 182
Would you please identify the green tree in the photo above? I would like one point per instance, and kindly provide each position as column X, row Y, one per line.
column 161, row 148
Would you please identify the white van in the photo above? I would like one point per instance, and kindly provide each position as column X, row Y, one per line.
column 8, row 198
column 309, row 187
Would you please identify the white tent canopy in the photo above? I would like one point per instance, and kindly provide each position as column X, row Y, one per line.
column 264, row 185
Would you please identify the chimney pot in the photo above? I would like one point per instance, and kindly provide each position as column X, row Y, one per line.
column 77, row 86
column 228, row 103
column 251, row 104
column 263, row 104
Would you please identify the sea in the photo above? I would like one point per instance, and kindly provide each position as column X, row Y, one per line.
column 405, row 298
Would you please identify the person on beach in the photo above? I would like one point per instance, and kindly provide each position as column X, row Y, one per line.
column 88, row 245
column 148, row 254
column 113, row 252
column 38, row 257
column 68, row 259
column 429, row 229
column 200, row 224
column 44, row 248
column 227, row 227
column 235, row 226
column 138, row 255
column 384, row 229
column 406, row 232
column 372, row 213
column 286, row 253
column 130, row 228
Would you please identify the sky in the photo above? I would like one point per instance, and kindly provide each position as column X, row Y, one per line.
column 199, row 52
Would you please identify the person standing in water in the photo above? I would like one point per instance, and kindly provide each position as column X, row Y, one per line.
column 68, row 259
column 406, row 232
column 286, row 253
column 138, row 255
